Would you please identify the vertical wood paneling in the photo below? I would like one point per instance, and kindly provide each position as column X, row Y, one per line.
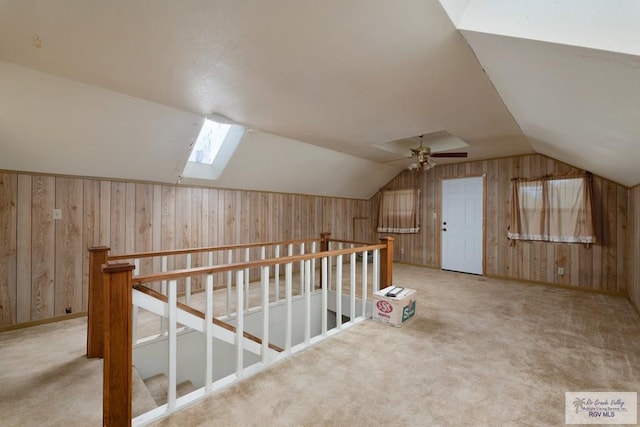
column 634, row 245
column 68, row 248
column 168, row 223
column 138, row 217
column 118, row 221
column 130, row 218
column 91, row 231
column 105, row 213
column 143, row 217
column 23, row 258
column 603, row 266
column 196, row 234
column 156, row 230
column 8, row 247
column 622, row 253
column 42, row 247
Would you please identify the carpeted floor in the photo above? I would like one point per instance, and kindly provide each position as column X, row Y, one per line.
column 479, row 352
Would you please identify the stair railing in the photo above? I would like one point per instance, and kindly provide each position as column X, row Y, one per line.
column 117, row 280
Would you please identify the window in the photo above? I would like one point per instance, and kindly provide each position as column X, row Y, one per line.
column 399, row 211
column 552, row 209
column 216, row 143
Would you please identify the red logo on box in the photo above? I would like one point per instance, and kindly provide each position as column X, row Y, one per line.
column 384, row 306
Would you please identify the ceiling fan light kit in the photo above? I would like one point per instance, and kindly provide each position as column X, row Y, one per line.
column 425, row 159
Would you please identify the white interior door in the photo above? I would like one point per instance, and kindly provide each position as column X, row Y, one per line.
column 462, row 224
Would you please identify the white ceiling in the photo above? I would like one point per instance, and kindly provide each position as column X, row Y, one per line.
column 321, row 83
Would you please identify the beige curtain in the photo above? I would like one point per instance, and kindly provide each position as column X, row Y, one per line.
column 552, row 209
column 399, row 211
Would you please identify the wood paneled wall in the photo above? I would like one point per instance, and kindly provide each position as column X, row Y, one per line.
column 634, row 246
column 603, row 267
column 44, row 262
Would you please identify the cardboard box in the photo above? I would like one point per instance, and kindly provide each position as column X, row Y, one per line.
column 395, row 311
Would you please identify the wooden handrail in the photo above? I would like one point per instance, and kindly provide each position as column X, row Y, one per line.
column 179, row 274
column 349, row 242
column 207, row 249
column 198, row 313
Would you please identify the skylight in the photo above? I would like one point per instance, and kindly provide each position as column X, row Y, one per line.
column 211, row 137
column 216, row 143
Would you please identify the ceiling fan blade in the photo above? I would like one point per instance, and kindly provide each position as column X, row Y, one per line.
column 448, row 154
column 396, row 160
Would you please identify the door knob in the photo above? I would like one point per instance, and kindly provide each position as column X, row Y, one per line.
column 444, row 229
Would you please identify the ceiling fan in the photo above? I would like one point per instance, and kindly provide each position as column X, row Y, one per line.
column 424, row 156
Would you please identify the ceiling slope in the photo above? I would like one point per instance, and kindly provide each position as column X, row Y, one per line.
column 569, row 72
column 343, row 76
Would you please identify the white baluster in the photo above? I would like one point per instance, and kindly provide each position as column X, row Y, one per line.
column 330, row 267
column 352, row 287
column 136, row 269
column 290, row 251
column 302, row 270
column 376, row 270
column 307, row 300
column 339, row 291
column 239, row 324
column 324, row 274
column 288, row 279
column 173, row 350
column 365, row 260
column 163, row 290
column 313, row 266
column 247, row 257
column 134, row 312
column 187, row 288
column 229, row 281
column 276, row 275
column 208, row 330
column 264, row 281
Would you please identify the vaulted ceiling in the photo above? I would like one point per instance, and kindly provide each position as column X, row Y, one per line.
column 119, row 89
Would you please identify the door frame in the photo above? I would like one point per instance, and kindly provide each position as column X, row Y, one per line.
column 484, row 217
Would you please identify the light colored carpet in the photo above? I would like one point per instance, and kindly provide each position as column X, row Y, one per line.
column 480, row 352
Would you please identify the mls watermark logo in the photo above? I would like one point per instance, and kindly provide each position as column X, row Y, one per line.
column 586, row 407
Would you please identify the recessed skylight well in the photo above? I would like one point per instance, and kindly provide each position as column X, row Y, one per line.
column 210, row 139
column 213, row 149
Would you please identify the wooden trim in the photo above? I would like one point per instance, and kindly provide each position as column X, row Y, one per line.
column 118, row 345
column 198, row 313
column 39, row 322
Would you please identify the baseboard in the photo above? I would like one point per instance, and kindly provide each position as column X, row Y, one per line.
column 634, row 305
column 559, row 286
column 32, row 323
column 535, row 282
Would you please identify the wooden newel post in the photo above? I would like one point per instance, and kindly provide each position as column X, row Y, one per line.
column 118, row 347
column 95, row 324
column 324, row 241
column 386, row 263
